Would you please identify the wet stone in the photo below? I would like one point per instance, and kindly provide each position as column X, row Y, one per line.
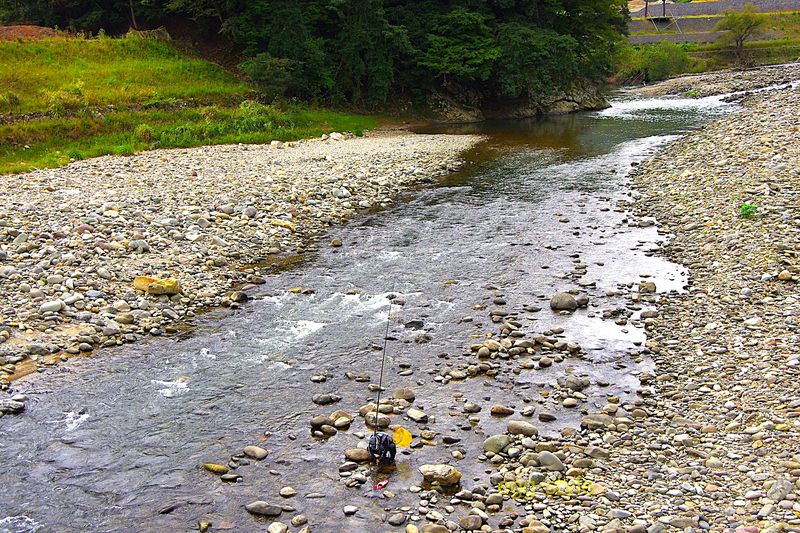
column 260, row 507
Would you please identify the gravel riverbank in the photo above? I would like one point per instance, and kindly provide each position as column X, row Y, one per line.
column 73, row 239
column 729, row 81
column 711, row 442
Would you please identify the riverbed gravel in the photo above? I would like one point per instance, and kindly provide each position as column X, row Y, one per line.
column 729, row 81
column 711, row 441
column 198, row 222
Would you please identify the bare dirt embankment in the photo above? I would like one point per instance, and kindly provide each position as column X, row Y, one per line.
column 25, row 32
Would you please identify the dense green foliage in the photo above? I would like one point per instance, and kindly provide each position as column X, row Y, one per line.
column 651, row 62
column 364, row 51
column 119, row 96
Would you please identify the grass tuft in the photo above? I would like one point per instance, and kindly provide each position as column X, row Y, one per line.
column 747, row 210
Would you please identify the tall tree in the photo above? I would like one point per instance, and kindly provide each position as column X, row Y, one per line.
column 741, row 26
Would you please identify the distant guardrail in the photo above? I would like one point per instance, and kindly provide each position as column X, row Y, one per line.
column 718, row 8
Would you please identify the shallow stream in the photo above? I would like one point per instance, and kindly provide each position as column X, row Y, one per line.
column 107, row 442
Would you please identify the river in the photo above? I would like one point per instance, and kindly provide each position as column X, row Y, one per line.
column 110, row 441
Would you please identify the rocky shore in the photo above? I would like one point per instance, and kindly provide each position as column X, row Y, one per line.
column 729, row 81
column 711, row 442
column 110, row 250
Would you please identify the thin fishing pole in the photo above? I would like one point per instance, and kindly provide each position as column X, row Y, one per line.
column 383, row 362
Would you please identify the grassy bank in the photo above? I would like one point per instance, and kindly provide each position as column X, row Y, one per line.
column 715, row 56
column 63, row 73
column 72, row 98
column 658, row 61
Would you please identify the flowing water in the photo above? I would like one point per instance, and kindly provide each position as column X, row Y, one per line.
column 108, row 442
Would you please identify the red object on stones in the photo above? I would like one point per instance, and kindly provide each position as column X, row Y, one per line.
column 380, row 485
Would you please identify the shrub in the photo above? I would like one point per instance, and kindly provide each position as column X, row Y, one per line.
column 8, row 102
column 358, row 133
column 75, row 154
column 272, row 75
column 651, row 62
column 123, row 149
column 253, row 117
column 144, row 133
column 69, row 97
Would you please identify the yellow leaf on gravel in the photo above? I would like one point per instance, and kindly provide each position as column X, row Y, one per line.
column 141, row 283
column 283, row 224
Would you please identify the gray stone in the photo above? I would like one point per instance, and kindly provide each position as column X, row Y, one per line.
column 470, row 522
column 263, row 508
column 779, row 490
column 440, row 473
column 563, row 301
column 417, row 416
column 397, row 519
column 550, row 461
column 496, row 443
column 51, row 307
column 255, row 452
column 519, row 427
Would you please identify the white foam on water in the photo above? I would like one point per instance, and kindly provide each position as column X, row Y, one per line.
column 389, row 254
column 205, row 352
column 19, row 524
column 74, row 420
column 303, row 328
column 281, row 338
column 172, row 388
column 633, row 108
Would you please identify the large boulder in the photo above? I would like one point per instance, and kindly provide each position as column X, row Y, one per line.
column 550, row 461
column 563, row 301
column 11, row 406
column 440, row 474
column 597, row 421
column 470, row 522
column 156, row 286
column 255, row 452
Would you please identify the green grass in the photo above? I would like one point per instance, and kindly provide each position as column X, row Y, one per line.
column 160, row 99
column 53, row 141
column 747, row 210
column 717, row 56
column 128, row 71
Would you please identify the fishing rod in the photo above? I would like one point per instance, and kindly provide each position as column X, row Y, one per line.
column 383, row 363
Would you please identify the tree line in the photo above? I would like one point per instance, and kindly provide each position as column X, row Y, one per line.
column 364, row 52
